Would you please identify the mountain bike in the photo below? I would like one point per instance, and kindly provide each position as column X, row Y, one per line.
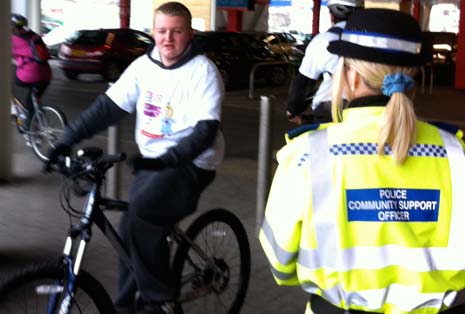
column 45, row 127
column 211, row 259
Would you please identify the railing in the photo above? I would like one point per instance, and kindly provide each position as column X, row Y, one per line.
column 290, row 73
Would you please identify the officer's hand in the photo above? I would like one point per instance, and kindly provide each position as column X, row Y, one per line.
column 60, row 150
column 301, row 118
column 297, row 119
column 138, row 162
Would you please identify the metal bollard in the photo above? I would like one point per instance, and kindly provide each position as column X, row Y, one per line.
column 264, row 159
column 114, row 174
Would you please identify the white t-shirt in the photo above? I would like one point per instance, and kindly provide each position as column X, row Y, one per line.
column 169, row 103
column 319, row 61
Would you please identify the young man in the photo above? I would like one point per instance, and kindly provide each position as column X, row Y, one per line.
column 179, row 154
column 317, row 63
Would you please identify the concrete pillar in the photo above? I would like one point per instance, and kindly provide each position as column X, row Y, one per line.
column 213, row 16
column 35, row 15
column 31, row 9
column 19, row 6
column 5, row 92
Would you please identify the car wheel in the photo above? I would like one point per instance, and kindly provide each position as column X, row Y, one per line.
column 111, row 72
column 71, row 75
column 277, row 76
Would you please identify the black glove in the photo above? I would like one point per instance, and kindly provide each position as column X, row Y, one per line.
column 60, row 150
column 138, row 162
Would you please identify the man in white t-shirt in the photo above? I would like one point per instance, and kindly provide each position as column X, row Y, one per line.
column 176, row 94
column 319, row 64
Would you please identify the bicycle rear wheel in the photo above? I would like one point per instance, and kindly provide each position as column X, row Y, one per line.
column 218, row 286
column 19, row 294
column 46, row 127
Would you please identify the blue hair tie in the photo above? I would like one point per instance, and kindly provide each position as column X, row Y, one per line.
column 396, row 83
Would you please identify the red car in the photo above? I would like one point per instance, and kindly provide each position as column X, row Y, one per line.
column 102, row 51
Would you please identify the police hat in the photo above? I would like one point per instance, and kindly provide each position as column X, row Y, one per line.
column 381, row 36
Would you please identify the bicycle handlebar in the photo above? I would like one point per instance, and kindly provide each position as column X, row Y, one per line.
column 88, row 161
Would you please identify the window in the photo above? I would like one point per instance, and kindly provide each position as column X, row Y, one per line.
column 444, row 17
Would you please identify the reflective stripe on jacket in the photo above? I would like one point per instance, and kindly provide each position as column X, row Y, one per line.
column 361, row 231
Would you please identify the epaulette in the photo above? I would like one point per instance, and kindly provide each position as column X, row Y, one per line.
column 448, row 127
column 302, row 129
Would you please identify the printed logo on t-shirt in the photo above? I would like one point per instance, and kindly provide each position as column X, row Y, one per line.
column 158, row 116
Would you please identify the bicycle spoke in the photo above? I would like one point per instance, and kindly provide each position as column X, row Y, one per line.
column 47, row 126
column 223, row 281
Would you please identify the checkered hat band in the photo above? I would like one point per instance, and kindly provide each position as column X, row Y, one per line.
column 373, row 40
column 418, row 150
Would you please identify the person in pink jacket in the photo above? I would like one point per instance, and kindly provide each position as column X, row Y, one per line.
column 31, row 73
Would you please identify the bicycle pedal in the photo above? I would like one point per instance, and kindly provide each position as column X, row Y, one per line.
column 49, row 289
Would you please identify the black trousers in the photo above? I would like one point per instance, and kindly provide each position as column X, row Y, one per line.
column 39, row 87
column 157, row 201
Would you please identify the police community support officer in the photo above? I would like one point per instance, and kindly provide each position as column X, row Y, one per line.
column 374, row 221
column 176, row 93
column 317, row 63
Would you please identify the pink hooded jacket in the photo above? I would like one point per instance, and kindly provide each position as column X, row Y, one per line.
column 27, row 70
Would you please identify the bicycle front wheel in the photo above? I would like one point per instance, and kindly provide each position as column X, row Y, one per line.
column 46, row 127
column 216, row 283
column 30, row 291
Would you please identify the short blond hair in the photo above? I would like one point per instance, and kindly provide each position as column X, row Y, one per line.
column 175, row 9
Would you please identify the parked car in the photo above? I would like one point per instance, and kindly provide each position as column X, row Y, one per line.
column 103, row 51
column 302, row 37
column 279, row 42
column 285, row 44
column 236, row 55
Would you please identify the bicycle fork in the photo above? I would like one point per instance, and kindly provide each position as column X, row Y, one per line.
column 72, row 266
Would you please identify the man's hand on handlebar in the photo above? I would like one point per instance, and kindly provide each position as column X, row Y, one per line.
column 60, row 150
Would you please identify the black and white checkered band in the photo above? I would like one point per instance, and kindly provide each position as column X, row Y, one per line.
column 418, row 150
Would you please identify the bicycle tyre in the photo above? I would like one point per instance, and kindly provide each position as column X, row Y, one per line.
column 209, row 227
column 18, row 294
column 44, row 139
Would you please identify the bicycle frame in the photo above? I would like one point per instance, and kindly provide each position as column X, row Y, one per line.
column 22, row 110
column 36, row 106
column 18, row 108
column 92, row 213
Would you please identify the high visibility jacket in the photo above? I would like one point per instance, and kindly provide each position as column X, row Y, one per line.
column 362, row 231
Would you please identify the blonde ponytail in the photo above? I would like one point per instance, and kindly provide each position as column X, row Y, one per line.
column 338, row 83
column 398, row 127
column 398, row 124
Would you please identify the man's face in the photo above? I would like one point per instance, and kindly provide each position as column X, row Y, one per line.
column 172, row 35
